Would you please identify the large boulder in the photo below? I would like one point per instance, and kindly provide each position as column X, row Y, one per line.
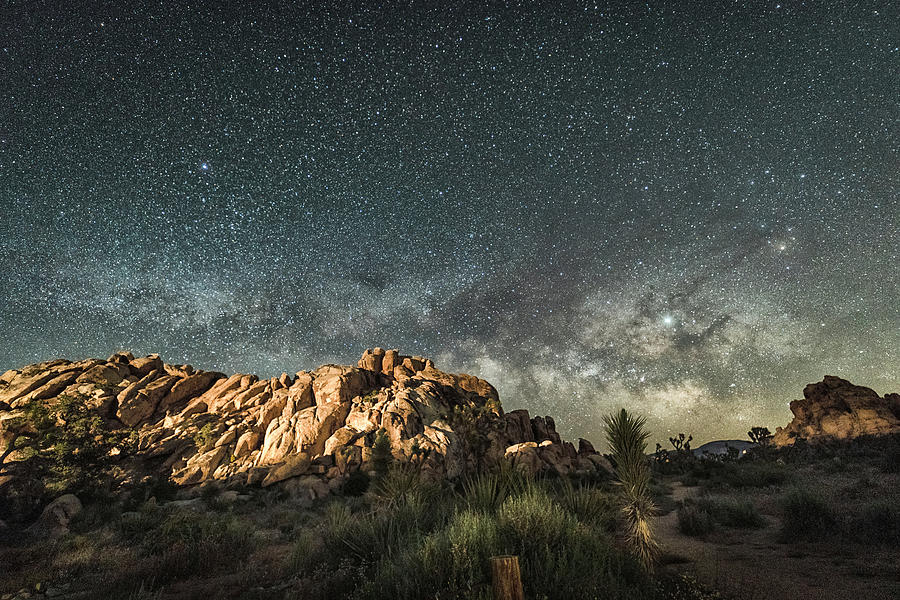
column 835, row 409
column 56, row 516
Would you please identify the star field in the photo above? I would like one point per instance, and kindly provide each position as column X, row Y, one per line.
column 691, row 210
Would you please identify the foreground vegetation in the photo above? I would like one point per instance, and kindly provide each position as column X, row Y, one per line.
column 403, row 538
column 394, row 534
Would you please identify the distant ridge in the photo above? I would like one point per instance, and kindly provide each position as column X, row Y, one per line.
column 718, row 447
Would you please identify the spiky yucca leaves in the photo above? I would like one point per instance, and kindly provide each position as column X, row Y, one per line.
column 627, row 440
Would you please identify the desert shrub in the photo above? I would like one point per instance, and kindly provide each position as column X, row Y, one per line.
column 533, row 515
column 205, row 435
column 732, row 512
column 379, row 533
column 403, row 484
column 305, row 551
column 559, row 556
column 739, row 474
column 684, row 587
column 327, row 582
column 183, row 543
column 77, row 457
column 589, row 505
column 806, row 516
column 877, row 522
column 485, row 492
column 357, row 483
column 133, row 526
column 381, row 453
column 457, row 557
column 694, row 520
column 95, row 516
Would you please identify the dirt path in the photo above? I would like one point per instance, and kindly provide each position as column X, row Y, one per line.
column 750, row 564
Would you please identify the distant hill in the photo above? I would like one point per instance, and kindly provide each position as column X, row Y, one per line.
column 721, row 447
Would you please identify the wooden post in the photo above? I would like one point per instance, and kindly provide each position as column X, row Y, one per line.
column 506, row 578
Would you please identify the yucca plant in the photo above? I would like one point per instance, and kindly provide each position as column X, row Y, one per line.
column 484, row 493
column 627, row 440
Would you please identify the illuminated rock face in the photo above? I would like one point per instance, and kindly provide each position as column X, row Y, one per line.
column 835, row 409
column 202, row 425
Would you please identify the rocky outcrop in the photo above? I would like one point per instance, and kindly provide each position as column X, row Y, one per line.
column 316, row 427
column 835, row 409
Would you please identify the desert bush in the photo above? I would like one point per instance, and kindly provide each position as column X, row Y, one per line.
column 806, row 516
column 876, row 522
column 732, row 512
column 694, row 520
column 305, row 551
column 381, row 453
column 53, row 460
column 589, row 504
column 327, row 582
column 739, row 474
column 357, row 483
column 205, row 435
column 457, row 557
column 484, row 493
column 684, row 587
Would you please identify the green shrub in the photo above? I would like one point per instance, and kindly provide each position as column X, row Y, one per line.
column 533, row 515
column 357, row 483
column 806, row 516
column 205, row 435
column 305, row 551
column 183, row 543
column 77, row 457
column 457, row 557
column 684, row 587
column 694, row 521
column 589, row 505
column 732, row 512
column 381, row 453
column 877, row 522
column 485, row 492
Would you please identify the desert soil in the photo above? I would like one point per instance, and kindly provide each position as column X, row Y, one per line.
column 751, row 564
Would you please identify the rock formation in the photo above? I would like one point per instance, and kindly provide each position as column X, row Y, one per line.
column 319, row 426
column 835, row 409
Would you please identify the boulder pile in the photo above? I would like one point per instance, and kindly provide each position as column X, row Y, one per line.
column 835, row 409
column 313, row 428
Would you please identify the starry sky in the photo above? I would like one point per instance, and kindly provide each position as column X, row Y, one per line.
column 690, row 209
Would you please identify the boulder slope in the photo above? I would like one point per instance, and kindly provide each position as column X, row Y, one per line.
column 195, row 426
column 835, row 409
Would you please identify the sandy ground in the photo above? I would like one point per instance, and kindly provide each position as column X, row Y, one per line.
column 751, row 564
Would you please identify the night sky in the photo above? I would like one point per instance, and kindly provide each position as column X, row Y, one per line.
column 688, row 209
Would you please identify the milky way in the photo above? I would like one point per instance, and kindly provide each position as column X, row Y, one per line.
column 691, row 211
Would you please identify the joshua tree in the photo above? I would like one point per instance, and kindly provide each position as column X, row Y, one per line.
column 680, row 443
column 760, row 435
column 627, row 440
